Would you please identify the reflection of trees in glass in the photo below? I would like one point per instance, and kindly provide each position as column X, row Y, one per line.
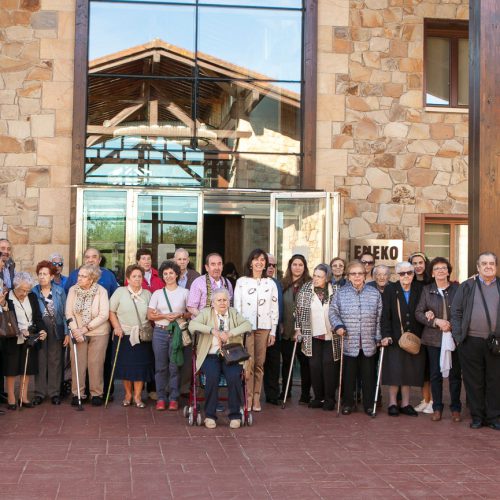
column 108, row 230
column 170, row 233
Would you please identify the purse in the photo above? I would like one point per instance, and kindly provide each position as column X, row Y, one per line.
column 145, row 333
column 408, row 341
column 493, row 342
column 233, row 354
column 8, row 326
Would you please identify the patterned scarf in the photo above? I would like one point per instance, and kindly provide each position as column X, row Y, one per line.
column 209, row 288
column 83, row 302
column 322, row 293
column 135, row 296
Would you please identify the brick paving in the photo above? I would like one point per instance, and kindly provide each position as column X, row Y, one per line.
column 121, row 453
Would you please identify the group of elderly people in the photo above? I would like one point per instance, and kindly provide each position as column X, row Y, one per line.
column 343, row 314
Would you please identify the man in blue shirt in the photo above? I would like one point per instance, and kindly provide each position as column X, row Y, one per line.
column 107, row 280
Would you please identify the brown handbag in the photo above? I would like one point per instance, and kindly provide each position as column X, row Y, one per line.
column 408, row 341
column 8, row 325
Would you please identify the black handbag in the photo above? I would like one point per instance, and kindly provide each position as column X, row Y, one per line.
column 492, row 341
column 233, row 354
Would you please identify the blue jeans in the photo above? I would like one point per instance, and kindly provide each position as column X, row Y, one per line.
column 212, row 367
column 454, row 379
column 166, row 373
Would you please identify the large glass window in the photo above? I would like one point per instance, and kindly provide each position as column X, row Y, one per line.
column 446, row 63
column 197, row 94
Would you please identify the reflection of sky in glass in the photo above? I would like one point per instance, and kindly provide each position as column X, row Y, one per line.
column 435, row 101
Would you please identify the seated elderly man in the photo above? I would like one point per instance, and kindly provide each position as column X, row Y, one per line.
column 218, row 325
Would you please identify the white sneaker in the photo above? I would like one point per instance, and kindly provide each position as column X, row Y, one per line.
column 428, row 408
column 421, row 406
column 210, row 423
column 235, row 423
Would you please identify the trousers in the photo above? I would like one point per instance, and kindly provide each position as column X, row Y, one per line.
column 166, row 372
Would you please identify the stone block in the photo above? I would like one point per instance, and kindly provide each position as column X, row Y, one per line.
column 37, row 177
column 393, row 15
column 396, row 129
column 398, row 176
column 330, row 162
column 20, row 160
column 52, row 48
column 44, row 20
column 360, row 192
column 390, row 214
column 411, row 99
column 365, row 129
column 54, row 151
column 393, row 90
column 33, row 89
column 9, row 145
column 60, row 230
column 371, row 59
column 333, row 13
column 331, row 107
column 442, row 179
column 9, row 112
column 333, row 63
column 359, row 227
column 18, row 33
column 379, row 196
column 362, row 103
column 379, row 44
column 64, row 122
column 459, row 192
column 57, row 95
column 54, row 201
column 376, row 4
column 371, row 18
column 419, row 131
column 325, row 39
column 359, row 72
column 423, row 147
column 64, row 5
column 434, row 192
column 383, row 161
column 421, row 177
column 18, row 235
column 43, row 125
column 451, row 149
column 403, row 194
column 16, row 189
column 29, row 106
column 40, row 73
column 40, row 235
column 323, row 134
column 378, row 178
column 32, row 192
column 442, row 131
column 19, row 129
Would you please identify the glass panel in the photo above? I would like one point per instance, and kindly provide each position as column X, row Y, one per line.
column 119, row 28
column 437, row 67
column 166, row 223
column 104, row 216
column 461, row 252
column 300, row 225
column 263, row 44
column 437, row 240
column 250, row 116
column 294, row 4
column 463, row 72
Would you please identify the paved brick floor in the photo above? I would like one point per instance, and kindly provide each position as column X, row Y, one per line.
column 118, row 453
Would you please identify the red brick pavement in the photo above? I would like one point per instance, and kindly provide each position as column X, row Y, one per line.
column 121, row 453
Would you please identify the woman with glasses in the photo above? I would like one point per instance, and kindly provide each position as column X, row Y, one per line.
column 368, row 261
column 355, row 314
column 401, row 369
column 434, row 312
column 337, row 266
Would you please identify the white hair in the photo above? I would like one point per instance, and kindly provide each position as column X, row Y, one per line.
column 56, row 255
column 219, row 291
column 381, row 268
column 22, row 277
column 404, row 266
column 181, row 250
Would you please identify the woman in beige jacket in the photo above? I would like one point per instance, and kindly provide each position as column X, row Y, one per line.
column 87, row 308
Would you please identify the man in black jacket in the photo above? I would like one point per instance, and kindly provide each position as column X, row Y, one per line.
column 474, row 317
column 10, row 265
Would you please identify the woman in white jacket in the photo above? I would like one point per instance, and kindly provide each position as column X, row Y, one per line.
column 256, row 299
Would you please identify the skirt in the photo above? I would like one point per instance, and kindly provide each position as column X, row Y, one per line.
column 403, row 368
column 134, row 363
column 14, row 358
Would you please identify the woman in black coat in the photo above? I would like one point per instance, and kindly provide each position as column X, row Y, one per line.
column 400, row 368
column 24, row 304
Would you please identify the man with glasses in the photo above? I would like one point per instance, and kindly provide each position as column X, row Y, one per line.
column 475, row 319
column 273, row 354
column 368, row 261
column 58, row 262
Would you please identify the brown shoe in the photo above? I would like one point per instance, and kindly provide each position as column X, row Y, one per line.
column 456, row 417
column 436, row 416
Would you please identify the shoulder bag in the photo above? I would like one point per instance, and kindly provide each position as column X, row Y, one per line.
column 493, row 341
column 232, row 353
column 8, row 324
column 408, row 341
column 145, row 332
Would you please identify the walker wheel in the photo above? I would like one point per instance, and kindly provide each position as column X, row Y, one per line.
column 198, row 420
column 249, row 420
column 190, row 419
column 185, row 411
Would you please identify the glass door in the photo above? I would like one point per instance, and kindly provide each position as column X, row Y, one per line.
column 304, row 223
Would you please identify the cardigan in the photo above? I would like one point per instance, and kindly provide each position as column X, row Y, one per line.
column 204, row 322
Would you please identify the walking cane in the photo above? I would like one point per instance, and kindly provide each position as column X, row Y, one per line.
column 379, row 377
column 340, row 376
column 24, row 377
column 75, row 353
column 112, row 372
column 290, row 372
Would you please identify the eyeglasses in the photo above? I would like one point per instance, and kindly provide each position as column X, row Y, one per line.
column 444, row 268
column 356, row 274
column 271, row 265
column 406, row 273
column 58, row 264
column 368, row 262
column 338, row 266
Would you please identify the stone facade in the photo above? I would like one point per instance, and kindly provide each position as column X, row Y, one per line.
column 377, row 144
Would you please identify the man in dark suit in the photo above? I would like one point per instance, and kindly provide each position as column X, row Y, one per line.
column 10, row 265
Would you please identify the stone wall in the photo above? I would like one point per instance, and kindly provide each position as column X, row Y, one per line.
column 36, row 98
column 390, row 158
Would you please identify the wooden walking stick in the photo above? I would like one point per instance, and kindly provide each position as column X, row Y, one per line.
column 340, row 376
column 112, row 372
column 24, row 377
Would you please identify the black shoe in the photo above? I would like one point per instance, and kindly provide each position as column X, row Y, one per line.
column 97, row 400
column 304, row 399
column 408, row 410
column 2, row 412
column 329, row 405
column 11, row 406
column 315, row 403
column 27, row 404
column 369, row 412
column 347, row 410
column 272, row 401
column 56, row 400
column 393, row 411
column 494, row 425
column 37, row 400
column 74, row 401
column 476, row 423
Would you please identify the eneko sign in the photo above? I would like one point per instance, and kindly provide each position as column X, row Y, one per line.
column 387, row 252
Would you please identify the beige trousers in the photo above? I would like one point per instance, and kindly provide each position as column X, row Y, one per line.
column 254, row 369
column 91, row 354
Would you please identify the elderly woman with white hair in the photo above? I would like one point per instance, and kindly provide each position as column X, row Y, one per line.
column 400, row 368
column 87, row 309
column 381, row 275
column 218, row 325
column 22, row 302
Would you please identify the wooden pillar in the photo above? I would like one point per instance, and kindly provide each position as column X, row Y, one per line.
column 484, row 129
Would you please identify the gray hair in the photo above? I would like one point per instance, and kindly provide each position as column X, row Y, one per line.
column 487, row 254
column 381, row 268
column 181, row 250
column 326, row 269
column 94, row 271
column 56, row 255
column 219, row 291
column 22, row 277
column 404, row 266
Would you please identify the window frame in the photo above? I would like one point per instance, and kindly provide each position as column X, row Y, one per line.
column 453, row 30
